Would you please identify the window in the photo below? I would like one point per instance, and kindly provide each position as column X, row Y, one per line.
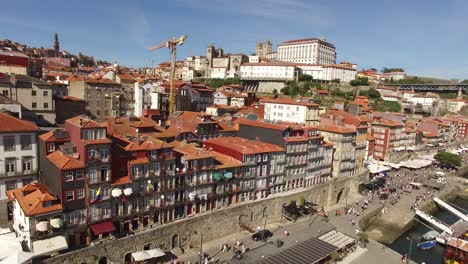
column 91, row 154
column 265, row 157
column 45, row 93
column 10, row 165
column 51, row 147
column 9, row 143
column 92, row 175
column 104, row 153
column 69, row 195
column 264, row 170
column 69, row 176
column 5, row 93
column 46, row 105
column 10, row 185
column 33, row 93
column 34, row 105
column 79, row 174
column 27, row 165
column 80, row 194
column 259, row 158
column 25, row 141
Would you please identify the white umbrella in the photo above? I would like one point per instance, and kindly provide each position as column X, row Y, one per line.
column 42, row 226
column 116, row 192
column 128, row 191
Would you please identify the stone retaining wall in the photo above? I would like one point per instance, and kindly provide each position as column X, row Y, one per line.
column 213, row 225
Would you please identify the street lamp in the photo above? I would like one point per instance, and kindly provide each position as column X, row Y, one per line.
column 410, row 245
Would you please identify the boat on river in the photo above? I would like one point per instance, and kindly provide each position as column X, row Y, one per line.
column 426, row 245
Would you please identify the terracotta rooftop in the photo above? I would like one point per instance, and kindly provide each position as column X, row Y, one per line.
column 71, row 98
column 245, row 121
column 32, row 199
column 64, row 162
column 84, row 122
column 191, row 151
column 51, row 136
column 336, row 129
column 387, row 123
column 244, row 146
column 10, row 124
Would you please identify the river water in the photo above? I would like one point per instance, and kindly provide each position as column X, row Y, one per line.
column 434, row 255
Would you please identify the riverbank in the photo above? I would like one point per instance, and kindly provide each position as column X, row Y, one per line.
column 398, row 219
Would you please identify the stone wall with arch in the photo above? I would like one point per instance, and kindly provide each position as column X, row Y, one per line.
column 208, row 224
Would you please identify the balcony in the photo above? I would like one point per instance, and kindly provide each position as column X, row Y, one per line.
column 94, row 218
column 17, row 173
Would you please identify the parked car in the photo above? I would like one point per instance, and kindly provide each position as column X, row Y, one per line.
column 262, row 234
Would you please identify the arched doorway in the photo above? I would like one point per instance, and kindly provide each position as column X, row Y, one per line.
column 128, row 258
column 175, row 241
column 102, row 260
column 338, row 197
column 242, row 219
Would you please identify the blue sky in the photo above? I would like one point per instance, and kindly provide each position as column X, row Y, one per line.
column 426, row 37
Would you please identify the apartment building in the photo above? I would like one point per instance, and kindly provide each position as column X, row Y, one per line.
column 388, row 135
column 308, row 157
column 103, row 97
column 343, row 139
column 18, row 159
column 37, row 219
column 35, row 95
column 295, row 110
column 263, row 165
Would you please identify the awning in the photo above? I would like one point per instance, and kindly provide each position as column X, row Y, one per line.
column 147, row 254
column 56, row 222
column 217, row 176
column 104, row 227
column 228, row 175
column 48, row 246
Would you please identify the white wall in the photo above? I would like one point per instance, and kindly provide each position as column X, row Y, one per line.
column 285, row 112
column 267, row 71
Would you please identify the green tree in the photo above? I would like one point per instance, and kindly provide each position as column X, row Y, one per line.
column 304, row 77
column 275, row 92
column 359, row 81
column 392, row 106
column 449, row 159
column 373, row 93
column 464, row 81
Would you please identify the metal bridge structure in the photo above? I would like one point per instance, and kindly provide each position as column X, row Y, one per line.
column 432, row 87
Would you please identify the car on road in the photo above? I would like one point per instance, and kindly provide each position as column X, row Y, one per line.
column 262, row 234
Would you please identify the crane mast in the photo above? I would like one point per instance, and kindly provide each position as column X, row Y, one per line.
column 172, row 45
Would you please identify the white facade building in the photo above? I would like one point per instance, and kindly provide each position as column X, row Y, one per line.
column 329, row 72
column 268, row 71
column 291, row 110
column 18, row 157
column 455, row 105
column 309, row 50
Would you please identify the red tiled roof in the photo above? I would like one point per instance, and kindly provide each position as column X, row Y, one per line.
column 71, row 98
column 32, row 197
column 244, row 146
column 49, row 137
column 336, row 129
column 64, row 162
column 9, row 124
column 388, row 123
column 84, row 122
column 245, row 121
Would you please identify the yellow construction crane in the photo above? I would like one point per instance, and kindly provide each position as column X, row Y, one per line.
column 172, row 45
